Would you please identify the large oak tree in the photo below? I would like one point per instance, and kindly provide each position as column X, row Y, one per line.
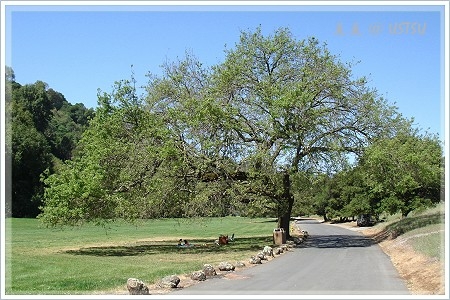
column 242, row 131
column 296, row 107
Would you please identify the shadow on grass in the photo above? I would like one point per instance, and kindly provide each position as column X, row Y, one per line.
column 398, row 228
column 199, row 246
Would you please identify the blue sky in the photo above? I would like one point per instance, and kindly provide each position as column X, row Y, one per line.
column 79, row 49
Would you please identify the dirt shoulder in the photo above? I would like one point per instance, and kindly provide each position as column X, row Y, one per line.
column 423, row 275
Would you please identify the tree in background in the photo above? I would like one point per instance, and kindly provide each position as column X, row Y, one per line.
column 35, row 140
column 29, row 154
column 34, row 98
column 67, row 123
column 404, row 172
column 342, row 195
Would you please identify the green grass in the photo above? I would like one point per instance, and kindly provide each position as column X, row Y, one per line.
column 428, row 240
column 90, row 259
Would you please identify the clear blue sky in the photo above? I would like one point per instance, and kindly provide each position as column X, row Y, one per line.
column 78, row 49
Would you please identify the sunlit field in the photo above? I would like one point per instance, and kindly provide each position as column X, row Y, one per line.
column 90, row 259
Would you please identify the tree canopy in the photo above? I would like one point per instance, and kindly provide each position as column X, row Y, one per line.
column 400, row 174
column 404, row 172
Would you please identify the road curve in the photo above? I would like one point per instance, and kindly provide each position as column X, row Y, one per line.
column 332, row 261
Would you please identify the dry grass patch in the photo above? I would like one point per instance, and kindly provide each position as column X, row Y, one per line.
column 424, row 275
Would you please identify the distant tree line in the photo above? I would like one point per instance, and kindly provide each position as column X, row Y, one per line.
column 399, row 174
column 42, row 131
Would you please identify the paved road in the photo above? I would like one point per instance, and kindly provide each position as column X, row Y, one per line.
column 333, row 261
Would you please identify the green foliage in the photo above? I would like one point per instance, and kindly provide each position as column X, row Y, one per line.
column 41, row 128
column 304, row 194
column 66, row 125
column 64, row 134
column 399, row 174
column 33, row 97
column 248, row 136
column 124, row 167
column 405, row 171
column 29, row 154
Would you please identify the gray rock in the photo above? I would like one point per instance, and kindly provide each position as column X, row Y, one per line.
column 255, row 260
column 268, row 251
column 261, row 256
column 209, row 270
column 198, row 275
column 240, row 264
column 226, row 266
column 278, row 251
column 298, row 240
column 137, row 287
column 171, row 281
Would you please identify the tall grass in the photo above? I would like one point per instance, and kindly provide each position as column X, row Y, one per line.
column 90, row 259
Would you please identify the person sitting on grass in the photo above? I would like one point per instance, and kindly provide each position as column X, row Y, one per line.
column 231, row 239
column 184, row 243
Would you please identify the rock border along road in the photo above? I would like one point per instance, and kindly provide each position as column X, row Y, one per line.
column 332, row 261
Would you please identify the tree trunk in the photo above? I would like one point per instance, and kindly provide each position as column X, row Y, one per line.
column 285, row 219
column 284, row 222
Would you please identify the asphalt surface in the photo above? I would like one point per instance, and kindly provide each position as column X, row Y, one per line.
column 332, row 261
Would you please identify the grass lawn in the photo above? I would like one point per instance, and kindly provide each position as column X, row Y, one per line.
column 89, row 259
